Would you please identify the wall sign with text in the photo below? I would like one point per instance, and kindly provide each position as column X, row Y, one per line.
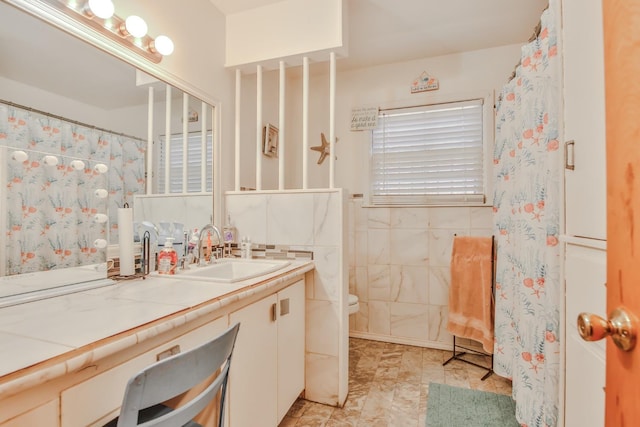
column 424, row 82
column 365, row 118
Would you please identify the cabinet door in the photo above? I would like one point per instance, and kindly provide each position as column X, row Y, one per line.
column 45, row 415
column 584, row 118
column 291, row 340
column 586, row 274
column 253, row 376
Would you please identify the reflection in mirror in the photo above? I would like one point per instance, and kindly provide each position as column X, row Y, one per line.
column 73, row 138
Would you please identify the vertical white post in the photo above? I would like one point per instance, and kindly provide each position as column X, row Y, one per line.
column 259, row 128
column 237, row 136
column 203, row 149
column 167, row 142
column 216, row 174
column 281, row 124
column 305, row 122
column 185, row 139
column 150, row 142
column 332, row 119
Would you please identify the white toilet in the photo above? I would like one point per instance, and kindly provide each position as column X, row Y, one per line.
column 354, row 305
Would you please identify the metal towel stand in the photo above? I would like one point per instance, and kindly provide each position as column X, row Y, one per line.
column 458, row 355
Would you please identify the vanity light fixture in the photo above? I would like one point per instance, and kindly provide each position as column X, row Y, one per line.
column 130, row 32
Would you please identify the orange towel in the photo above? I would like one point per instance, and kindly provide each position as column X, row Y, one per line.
column 471, row 293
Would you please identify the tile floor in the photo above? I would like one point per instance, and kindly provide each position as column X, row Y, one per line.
column 389, row 386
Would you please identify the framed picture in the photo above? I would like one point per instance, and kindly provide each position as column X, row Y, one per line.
column 270, row 141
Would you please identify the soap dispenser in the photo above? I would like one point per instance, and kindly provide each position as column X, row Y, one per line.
column 167, row 258
column 229, row 232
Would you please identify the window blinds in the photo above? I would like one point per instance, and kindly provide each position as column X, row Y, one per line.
column 429, row 155
column 194, row 163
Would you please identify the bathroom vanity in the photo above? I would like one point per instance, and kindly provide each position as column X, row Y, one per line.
column 65, row 361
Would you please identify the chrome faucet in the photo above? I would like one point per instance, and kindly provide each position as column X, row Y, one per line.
column 208, row 227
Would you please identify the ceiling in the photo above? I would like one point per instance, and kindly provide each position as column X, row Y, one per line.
column 386, row 31
column 380, row 31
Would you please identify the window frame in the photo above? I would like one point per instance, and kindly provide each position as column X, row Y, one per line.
column 177, row 138
column 488, row 124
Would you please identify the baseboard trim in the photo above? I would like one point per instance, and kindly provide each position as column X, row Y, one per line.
column 401, row 340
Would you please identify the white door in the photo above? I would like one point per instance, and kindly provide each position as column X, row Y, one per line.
column 291, row 342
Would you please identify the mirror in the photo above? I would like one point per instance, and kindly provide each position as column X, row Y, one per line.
column 73, row 132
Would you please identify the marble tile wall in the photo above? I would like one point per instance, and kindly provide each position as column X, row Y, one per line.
column 399, row 260
column 314, row 221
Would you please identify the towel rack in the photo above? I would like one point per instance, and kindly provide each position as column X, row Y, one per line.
column 467, row 350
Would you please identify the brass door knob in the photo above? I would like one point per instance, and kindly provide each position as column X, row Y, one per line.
column 621, row 326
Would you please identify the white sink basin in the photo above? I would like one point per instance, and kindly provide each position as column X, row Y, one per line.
column 233, row 270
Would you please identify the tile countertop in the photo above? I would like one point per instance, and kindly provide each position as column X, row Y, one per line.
column 35, row 332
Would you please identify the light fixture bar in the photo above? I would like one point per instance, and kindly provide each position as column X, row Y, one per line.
column 110, row 28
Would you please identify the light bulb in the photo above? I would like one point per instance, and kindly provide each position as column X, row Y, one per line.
column 101, row 8
column 101, row 168
column 19, row 156
column 101, row 218
column 77, row 164
column 163, row 45
column 50, row 160
column 100, row 243
column 136, row 26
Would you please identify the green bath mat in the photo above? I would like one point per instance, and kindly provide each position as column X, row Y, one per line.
column 449, row 406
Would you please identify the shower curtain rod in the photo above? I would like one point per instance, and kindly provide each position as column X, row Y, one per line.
column 75, row 122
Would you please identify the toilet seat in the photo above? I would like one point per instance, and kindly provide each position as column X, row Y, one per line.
column 354, row 304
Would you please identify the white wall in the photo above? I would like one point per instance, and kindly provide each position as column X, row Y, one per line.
column 248, row 147
column 398, row 257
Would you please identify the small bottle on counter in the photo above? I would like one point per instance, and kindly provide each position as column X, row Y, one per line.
column 229, row 232
column 245, row 248
column 167, row 258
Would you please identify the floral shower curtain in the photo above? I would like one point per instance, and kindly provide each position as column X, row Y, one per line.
column 527, row 219
column 51, row 209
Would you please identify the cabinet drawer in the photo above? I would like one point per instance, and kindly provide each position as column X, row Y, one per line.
column 45, row 415
column 98, row 399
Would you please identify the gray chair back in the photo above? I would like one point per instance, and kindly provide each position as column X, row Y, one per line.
column 177, row 374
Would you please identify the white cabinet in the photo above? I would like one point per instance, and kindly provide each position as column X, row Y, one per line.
column 584, row 118
column 267, row 369
column 44, row 415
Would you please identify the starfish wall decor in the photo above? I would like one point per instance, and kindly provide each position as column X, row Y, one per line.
column 324, row 148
